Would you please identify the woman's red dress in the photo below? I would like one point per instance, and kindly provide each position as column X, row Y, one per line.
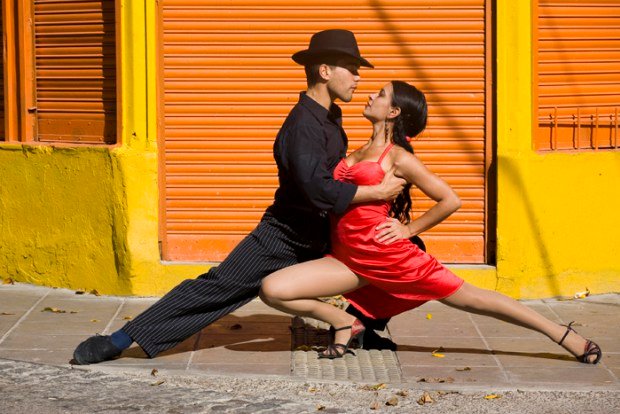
column 401, row 276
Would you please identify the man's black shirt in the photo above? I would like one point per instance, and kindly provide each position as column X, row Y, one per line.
column 307, row 148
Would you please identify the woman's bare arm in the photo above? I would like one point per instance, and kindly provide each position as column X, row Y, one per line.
column 409, row 167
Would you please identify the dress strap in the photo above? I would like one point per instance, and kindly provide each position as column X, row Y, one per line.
column 385, row 151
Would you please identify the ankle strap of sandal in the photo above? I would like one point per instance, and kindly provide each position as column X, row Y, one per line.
column 568, row 329
column 343, row 328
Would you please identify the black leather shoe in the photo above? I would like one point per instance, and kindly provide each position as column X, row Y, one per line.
column 95, row 349
column 378, row 324
column 373, row 340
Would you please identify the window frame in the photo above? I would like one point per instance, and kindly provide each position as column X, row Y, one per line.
column 20, row 121
column 595, row 119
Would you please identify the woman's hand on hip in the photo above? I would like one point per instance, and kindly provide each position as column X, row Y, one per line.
column 392, row 230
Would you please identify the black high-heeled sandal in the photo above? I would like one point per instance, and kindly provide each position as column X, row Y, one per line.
column 334, row 351
column 590, row 349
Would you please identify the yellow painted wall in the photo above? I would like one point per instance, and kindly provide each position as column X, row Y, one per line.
column 148, row 275
column 87, row 218
column 558, row 218
column 60, row 222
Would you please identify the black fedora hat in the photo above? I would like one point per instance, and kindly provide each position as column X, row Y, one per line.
column 331, row 43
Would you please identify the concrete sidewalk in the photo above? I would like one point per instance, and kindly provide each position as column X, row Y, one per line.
column 439, row 348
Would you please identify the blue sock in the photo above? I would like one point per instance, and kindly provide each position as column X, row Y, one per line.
column 121, row 340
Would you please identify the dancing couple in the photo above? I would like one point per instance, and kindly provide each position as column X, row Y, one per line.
column 339, row 225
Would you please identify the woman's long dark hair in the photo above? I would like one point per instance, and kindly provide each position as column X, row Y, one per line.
column 410, row 123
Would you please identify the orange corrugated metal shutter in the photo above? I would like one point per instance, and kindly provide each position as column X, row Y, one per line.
column 578, row 74
column 75, row 62
column 227, row 82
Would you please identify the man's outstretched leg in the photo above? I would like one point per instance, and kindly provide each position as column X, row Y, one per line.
column 196, row 303
column 170, row 320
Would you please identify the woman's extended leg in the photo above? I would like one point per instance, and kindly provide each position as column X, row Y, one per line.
column 295, row 290
column 489, row 303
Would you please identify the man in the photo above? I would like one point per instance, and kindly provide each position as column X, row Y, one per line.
column 294, row 229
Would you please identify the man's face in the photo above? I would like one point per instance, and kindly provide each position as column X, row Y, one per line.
column 343, row 79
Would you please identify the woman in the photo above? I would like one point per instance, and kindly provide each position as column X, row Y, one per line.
column 371, row 253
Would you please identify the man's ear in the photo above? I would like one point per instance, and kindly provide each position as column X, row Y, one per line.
column 394, row 112
column 325, row 71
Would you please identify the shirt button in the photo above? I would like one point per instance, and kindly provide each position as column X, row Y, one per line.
column 323, row 213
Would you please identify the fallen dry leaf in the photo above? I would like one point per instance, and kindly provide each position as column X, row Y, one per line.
column 375, row 405
column 448, row 392
column 336, row 301
column 8, row 281
column 94, row 292
column 53, row 310
column 6, row 314
column 72, row 312
column 429, row 316
column 581, row 295
column 375, row 387
column 312, row 389
column 94, row 320
column 127, row 318
column 437, row 353
column 492, row 396
column 154, row 372
column 464, row 369
column 157, row 383
column 320, row 407
column 431, row 380
column 403, row 393
column 425, row 399
column 392, row 401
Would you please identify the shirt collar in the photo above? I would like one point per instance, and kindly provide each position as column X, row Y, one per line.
column 320, row 113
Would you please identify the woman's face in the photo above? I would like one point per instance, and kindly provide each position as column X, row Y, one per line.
column 379, row 104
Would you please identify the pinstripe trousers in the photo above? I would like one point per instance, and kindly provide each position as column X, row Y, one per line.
column 195, row 303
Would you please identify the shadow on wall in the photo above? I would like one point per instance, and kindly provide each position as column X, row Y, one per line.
column 510, row 170
column 416, row 67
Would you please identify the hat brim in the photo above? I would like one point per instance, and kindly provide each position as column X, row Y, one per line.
column 306, row 57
